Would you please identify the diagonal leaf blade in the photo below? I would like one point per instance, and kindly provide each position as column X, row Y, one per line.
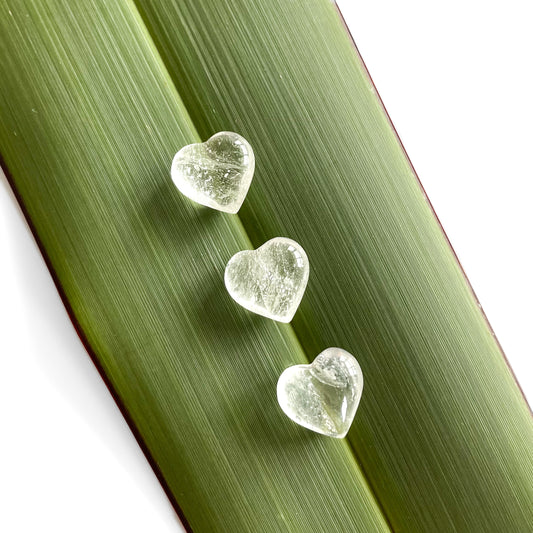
column 89, row 123
column 443, row 434
column 97, row 120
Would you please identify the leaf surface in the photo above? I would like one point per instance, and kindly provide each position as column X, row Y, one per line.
column 97, row 101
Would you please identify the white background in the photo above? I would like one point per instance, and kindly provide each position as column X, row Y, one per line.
column 456, row 80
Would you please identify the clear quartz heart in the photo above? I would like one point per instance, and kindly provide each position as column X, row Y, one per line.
column 216, row 173
column 271, row 280
column 324, row 395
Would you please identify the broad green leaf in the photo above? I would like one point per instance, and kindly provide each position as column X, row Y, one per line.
column 91, row 113
column 90, row 121
column 443, row 432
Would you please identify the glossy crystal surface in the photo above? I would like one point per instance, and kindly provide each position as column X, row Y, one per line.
column 324, row 395
column 216, row 173
column 271, row 280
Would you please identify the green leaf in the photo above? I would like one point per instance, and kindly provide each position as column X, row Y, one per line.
column 98, row 98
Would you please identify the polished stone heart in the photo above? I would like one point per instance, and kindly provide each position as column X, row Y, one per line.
column 216, row 173
column 324, row 395
column 271, row 280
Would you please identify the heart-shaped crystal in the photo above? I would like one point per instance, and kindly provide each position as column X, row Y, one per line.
column 324, row 395
column 271, row 280
column 216, row 173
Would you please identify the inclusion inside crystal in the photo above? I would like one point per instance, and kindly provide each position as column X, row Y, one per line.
column 324, row 395
column 216, row 173
column 271, row 280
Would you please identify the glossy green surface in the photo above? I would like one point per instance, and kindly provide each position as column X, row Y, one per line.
column 99, row 97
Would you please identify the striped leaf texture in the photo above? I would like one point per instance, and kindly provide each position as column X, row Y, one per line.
column 96, row 98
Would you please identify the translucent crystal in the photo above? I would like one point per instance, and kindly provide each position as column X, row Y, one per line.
column 324, row 395
column 216, row 173
column 271, row 280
